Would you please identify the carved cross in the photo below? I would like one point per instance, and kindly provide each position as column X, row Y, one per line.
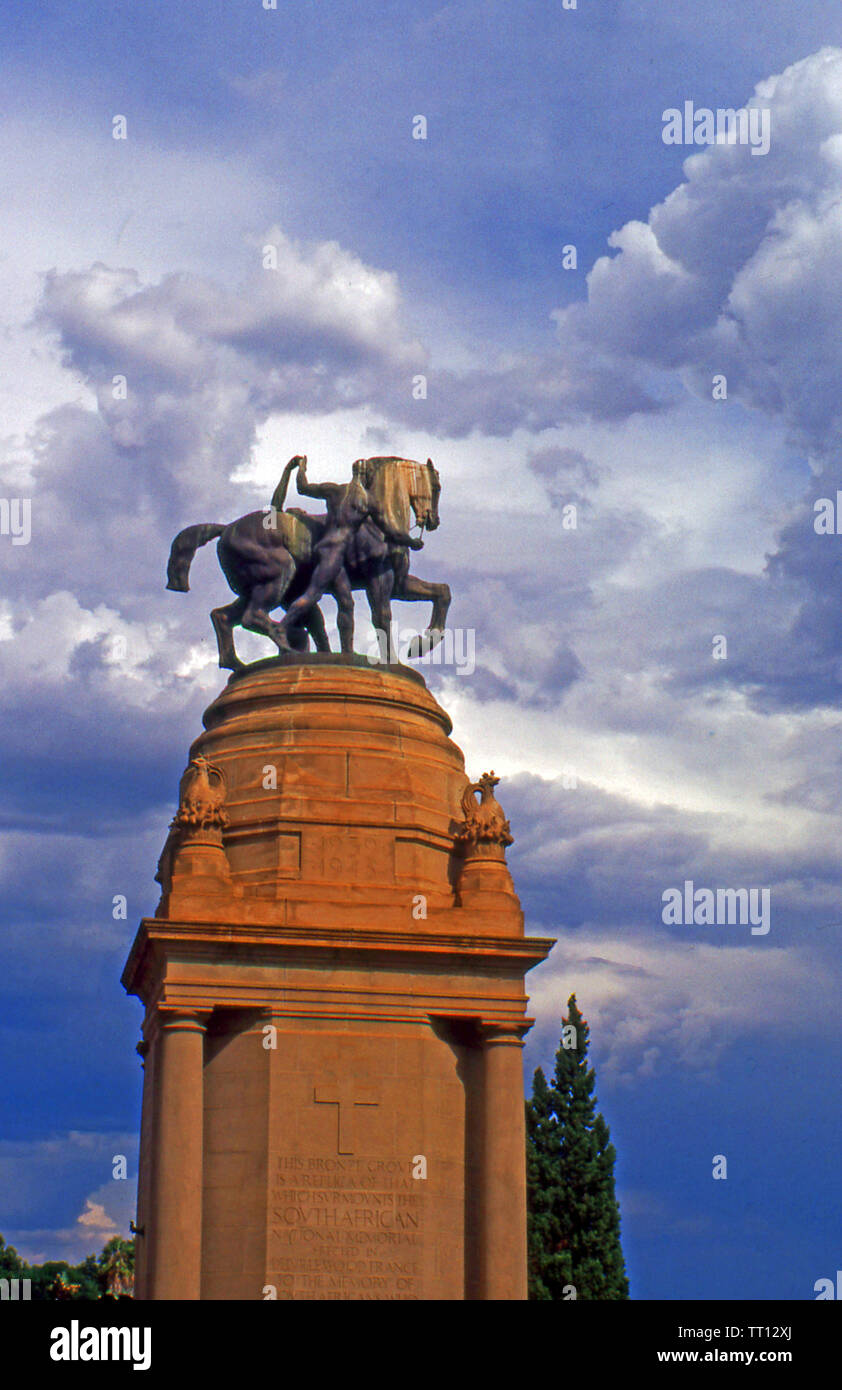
column 345, row 1096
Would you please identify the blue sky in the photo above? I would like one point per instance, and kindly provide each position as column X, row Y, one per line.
column 546, row 387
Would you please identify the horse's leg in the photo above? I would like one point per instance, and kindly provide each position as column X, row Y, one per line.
column 262, row 599
column 379, row 591
column 341, row 590
column 315, row 625
column 224, row 620
column 322, row 578
column 415, row 589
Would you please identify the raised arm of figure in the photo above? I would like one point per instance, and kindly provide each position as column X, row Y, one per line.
column 279, row 496
column 326, row 491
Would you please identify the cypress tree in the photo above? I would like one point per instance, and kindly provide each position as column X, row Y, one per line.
column 573, row 1234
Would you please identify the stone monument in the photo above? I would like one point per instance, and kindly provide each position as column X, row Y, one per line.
column 333, row 1102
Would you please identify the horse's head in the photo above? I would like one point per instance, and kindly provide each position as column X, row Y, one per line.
column 424, row 495
column 400, row 484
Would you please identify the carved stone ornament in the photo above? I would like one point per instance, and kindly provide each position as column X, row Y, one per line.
column 202, row 797
column 484, row 820
column 198, row 822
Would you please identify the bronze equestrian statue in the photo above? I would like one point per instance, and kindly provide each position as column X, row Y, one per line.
column 290, row 558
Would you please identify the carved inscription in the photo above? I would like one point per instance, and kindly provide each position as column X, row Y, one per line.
column 350, row 858
column 345, row 1228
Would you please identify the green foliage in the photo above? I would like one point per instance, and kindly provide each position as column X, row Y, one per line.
column 115, row 1269
column 108, row 1275
column 11, row 1264
column 573, row 1233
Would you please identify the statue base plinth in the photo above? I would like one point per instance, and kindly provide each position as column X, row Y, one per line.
column 333, row 1093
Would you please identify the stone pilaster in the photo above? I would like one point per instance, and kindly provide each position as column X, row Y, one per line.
column 503, row 1176
column 141, row 1258
column 175, row 1239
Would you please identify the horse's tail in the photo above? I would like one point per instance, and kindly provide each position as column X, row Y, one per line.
column 183, row 549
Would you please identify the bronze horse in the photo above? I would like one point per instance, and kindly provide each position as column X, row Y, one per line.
column 269, row 556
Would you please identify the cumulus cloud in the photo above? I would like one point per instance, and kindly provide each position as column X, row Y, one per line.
column 738, row 273
column 738, row 269
column 95, row 1219
column 655, row 1005
column 185, row 369
column 313, row 328
column 319, row 303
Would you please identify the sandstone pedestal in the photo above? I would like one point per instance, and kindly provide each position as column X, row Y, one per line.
column 335, row 1006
